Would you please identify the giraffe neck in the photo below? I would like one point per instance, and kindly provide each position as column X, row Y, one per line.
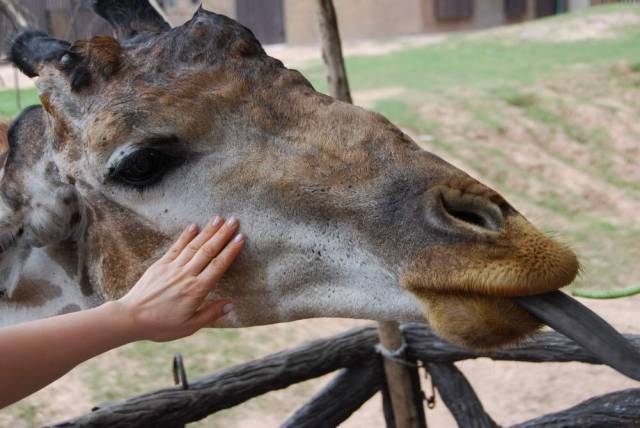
column 54, row 281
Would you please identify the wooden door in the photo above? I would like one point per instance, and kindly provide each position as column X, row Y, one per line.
column 452, row 10
column 550, row 7
column 264, row 17
column 515, row 9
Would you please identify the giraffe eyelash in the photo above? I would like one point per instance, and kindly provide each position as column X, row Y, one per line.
column 143, row 168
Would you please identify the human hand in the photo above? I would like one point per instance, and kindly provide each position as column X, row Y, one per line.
column 169, row 300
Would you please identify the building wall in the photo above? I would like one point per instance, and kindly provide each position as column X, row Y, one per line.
column 431, row 24
column 223, row 7
column 180, row 11
column 486, row 14
column 365, row 19
column 579, row 4
column 489, row 13
column 357, row 19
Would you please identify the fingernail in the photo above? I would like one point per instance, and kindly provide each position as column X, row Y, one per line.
column 215, row 221
column 227, row 308
column 192, row 228
column 232, row 221
column 239, row 238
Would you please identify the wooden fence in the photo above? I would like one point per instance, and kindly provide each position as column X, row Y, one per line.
column 357, row 359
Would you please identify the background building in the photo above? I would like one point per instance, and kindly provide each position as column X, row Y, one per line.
column 294, row 21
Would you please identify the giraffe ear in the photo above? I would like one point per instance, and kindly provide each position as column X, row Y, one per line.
column 130, row 17
column 32, row 49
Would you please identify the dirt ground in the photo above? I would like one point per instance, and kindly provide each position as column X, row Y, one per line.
column 511, row 392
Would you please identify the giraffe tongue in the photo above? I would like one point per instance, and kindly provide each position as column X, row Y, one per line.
column 569, row 317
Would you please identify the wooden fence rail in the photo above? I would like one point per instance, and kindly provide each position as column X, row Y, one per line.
column 359, row 378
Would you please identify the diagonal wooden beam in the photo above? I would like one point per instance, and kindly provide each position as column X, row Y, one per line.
column 614, row 410
column 459, row 396
column 173, row 407
column 346, row 392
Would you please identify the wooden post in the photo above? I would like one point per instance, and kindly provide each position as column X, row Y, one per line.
column 16, row 85
column 159, row 9
column 332, row 52
column 399, row 384
column 403, row 400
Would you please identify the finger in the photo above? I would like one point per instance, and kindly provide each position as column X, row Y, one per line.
column 213, row 246
column 218, row 266
column 211, row 312
column 192, row 247
column 185, row 237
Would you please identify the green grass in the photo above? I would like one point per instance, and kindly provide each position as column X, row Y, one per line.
column 401, row 111
column 108, row 383
column 8, row 105
column 478, row 63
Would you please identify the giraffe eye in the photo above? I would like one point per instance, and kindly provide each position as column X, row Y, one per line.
column 143, row 168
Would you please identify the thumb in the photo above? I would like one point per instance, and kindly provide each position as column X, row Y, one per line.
column 211, row 312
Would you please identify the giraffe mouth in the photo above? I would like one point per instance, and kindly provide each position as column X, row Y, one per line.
column 571, row 318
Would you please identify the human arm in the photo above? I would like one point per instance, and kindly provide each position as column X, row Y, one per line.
column 167, row 303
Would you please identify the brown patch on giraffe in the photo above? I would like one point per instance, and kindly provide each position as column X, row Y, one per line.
column 103, row 54
column 86, row 286
column 72, row 307
column 33, row 293
column 60, row 123
column 66, row 255
column 87, row 60
column 122, row 244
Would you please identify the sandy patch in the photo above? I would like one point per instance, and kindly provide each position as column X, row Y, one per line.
column 587, row 27
column 294, row 56
column 369, row 98
column 8, row 76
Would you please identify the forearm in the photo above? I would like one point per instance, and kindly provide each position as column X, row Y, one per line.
column 36, row 353
column 168, row 302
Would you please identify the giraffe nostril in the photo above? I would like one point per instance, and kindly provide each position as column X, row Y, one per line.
column 473, row 210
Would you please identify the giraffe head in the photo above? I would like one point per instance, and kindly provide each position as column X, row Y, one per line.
column 37, row 208
column 346, row 216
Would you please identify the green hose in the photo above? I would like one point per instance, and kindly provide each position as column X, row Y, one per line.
column 610, row 294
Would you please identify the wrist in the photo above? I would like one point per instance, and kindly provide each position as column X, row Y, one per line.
column 120, row 318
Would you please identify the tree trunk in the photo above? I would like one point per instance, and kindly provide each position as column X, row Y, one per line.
column 18, row 17
column 332, row 52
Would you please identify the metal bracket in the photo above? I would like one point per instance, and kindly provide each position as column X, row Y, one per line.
column 396, row 356
column 431, row 400
column 179, row 373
